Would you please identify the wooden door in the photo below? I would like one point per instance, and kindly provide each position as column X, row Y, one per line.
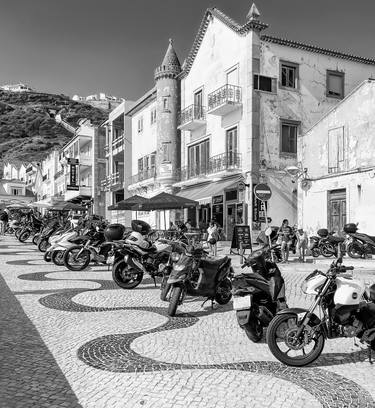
column 336, row 210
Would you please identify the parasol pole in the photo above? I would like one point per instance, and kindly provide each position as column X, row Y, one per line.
column 165, row 222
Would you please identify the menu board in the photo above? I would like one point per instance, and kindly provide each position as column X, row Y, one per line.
column 241, row 234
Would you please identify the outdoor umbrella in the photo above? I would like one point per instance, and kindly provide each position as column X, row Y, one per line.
column 165, row 201
column 17, row 205
column 66, row 207
column 133, row 203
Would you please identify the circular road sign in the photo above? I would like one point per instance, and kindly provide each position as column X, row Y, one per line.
column 262, row 192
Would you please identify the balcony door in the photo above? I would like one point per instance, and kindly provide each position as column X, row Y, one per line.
column 231, row 146
column 232, row 77
column 198, row 158
column 198, row 104
column 336, row 210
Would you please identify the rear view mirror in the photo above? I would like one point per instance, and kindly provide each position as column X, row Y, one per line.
column 268, row 231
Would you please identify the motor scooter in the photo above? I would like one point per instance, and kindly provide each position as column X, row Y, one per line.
column 58, row 245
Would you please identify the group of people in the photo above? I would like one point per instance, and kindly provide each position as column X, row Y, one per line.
column 285, row 236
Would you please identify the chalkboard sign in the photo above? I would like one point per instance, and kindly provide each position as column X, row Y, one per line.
column 241, row 234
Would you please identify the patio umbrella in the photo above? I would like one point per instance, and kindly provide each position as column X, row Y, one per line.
column 17, row 205
column 165, row 201
column 66, row 207
column 133, row 203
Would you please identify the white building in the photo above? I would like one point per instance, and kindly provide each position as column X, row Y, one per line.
column 338, row 153
column 16, row 88
column 245, row 99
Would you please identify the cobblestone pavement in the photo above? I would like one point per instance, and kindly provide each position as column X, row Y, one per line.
column 72, row 339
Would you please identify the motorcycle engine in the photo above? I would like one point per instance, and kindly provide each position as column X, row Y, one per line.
column 351, row 330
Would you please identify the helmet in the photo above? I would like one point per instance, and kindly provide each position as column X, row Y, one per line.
column 136, row 238
column 141, row 227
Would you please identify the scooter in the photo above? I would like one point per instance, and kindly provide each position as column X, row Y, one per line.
column 58, row 245
column 192, row 275
column 258, row 295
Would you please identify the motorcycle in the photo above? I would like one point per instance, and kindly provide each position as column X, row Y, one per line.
column 296, row 336
column 314, row 246
column 58, row 245
column 258, row 295
column 358, row 245
column 30, row 228
column 88, row 248
column 329, row 244
column 195, row 276
column 47, row 232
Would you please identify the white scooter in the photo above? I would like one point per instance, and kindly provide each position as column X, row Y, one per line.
column 59, row 244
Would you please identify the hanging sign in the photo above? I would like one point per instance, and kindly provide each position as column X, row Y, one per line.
column 241, row 235
column 73, row 163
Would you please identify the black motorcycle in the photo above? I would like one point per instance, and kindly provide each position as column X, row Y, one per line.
column 358, row 245
column 329, row 244
column 258, row 295
column 193, row 275
column 314, row 246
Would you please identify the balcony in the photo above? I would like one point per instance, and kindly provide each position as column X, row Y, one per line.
column 142, row 179
column 224, row 100
column 221, row 164
column 117, row 181
column 118, row 145
column 191, row 118
column 106, row 150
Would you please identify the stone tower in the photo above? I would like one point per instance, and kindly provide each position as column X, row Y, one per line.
column 168, row 104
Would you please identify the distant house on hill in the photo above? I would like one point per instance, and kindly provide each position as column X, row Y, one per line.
column 20, row 87
column 101, row 100
column 15, row 191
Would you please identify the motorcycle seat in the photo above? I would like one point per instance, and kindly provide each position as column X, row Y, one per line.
column 336, row 239
column 217, row 263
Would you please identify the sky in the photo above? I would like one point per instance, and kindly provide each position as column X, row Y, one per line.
column 89, row 46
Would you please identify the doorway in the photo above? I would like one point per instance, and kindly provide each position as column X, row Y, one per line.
column 336, row 210
column 230, row 220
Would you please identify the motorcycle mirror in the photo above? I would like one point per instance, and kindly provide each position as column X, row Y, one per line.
column 268, row 231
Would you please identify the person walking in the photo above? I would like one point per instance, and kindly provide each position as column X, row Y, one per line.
column 285, row 239
column 4, row 218
column 212, row 237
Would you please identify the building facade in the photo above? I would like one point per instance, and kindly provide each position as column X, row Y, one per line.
column 246, row 98
column 155, row 138
column 338, row 154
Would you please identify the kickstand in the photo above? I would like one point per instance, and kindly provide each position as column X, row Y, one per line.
column 153, row 277
column 212, row 302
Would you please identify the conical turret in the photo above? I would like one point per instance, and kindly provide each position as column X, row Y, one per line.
column 170, row 67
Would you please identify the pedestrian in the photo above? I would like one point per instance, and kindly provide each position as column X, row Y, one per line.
column 212, row 237
column 172, row 227
column 188, row 225
column 301, row 244
column 285, row 239
column 4, row 218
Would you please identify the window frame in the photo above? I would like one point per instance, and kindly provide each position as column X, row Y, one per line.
column 296, row 79
column 140, row 124
column 273, row 83
column 338, row 74
column 290, row 122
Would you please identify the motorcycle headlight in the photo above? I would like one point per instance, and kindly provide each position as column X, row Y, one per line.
column 179, row 268
column 175, row 256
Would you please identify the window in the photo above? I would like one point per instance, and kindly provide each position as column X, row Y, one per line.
column 166, row 152
column 140, row 165
column 152, row 159
column 153, row 116
column 231, row 146
column 336, row 150
column 289, row 75
column 16, row 191
column 140, row 124
column 198, row 104
column 289, row 131
column 165, row 104
column 198, row 158
column 335, row 84
column 264, row 83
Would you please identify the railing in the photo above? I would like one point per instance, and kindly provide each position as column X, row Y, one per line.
column 58, row 174
column 106, row 149
column 117, row 178
column 118, row 142
column 227, row 94
column 216, row 164
column 144, row 175
column 192, row 112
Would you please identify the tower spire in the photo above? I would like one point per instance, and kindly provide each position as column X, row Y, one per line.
column 253, row 13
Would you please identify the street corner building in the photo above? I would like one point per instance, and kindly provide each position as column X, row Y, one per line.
column 339, row 153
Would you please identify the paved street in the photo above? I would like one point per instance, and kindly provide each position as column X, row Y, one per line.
column 74, row 339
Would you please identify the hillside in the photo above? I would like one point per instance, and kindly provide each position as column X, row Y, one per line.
column 28, row 131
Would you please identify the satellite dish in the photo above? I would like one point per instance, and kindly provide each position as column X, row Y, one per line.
column 306, row 184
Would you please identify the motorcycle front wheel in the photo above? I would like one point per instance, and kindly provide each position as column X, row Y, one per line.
column 75, row 262
column 43, row 245
column 174, row 301
column 315, row 252
column 164, row 288
column 17, row 233
column 125, row 276
column 224, row 292
column 24, row 236
column 283, row 344
column 354, row 250
column 253, row 330
column 57, row 257
column 47, row 256
column 36, row 239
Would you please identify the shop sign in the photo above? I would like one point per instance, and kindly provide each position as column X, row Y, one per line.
column 73, row 175
column 241, row 237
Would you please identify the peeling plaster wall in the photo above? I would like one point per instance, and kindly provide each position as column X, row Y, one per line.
column 356, row 115
column 220, row 50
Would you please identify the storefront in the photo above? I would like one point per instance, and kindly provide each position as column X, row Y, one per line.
column 219, row 200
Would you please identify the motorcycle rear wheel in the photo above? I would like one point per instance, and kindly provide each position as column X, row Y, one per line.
column 47, row 256
column 327, row 250
column 224, row 292
column 315, row 252
column 164, row 289
column 281, row 331
column 354, row 250
column 24, row 236
column 131, row 281
column 253, row 330
column 36, row 239
column 57, row 257
column 174, row 300
column 17, row 233
column 70, row 257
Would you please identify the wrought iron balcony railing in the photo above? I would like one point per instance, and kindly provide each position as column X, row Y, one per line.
column 144, row 175
column 227, row 94
column 193, row 113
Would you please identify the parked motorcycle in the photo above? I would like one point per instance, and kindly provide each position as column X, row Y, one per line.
column 192, row 275
column 358, row 245
column 30, row 228
column 258, row 295
column 58, row 245
column 50, row 230
column 314, row 246
column 296, row 336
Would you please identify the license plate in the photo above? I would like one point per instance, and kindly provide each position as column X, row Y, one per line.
column 110, row 260
column 242, row 302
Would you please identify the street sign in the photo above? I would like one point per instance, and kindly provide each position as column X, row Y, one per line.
column 72, row 161
column 262, row 192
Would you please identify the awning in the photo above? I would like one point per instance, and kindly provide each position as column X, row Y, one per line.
column 203, row 193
